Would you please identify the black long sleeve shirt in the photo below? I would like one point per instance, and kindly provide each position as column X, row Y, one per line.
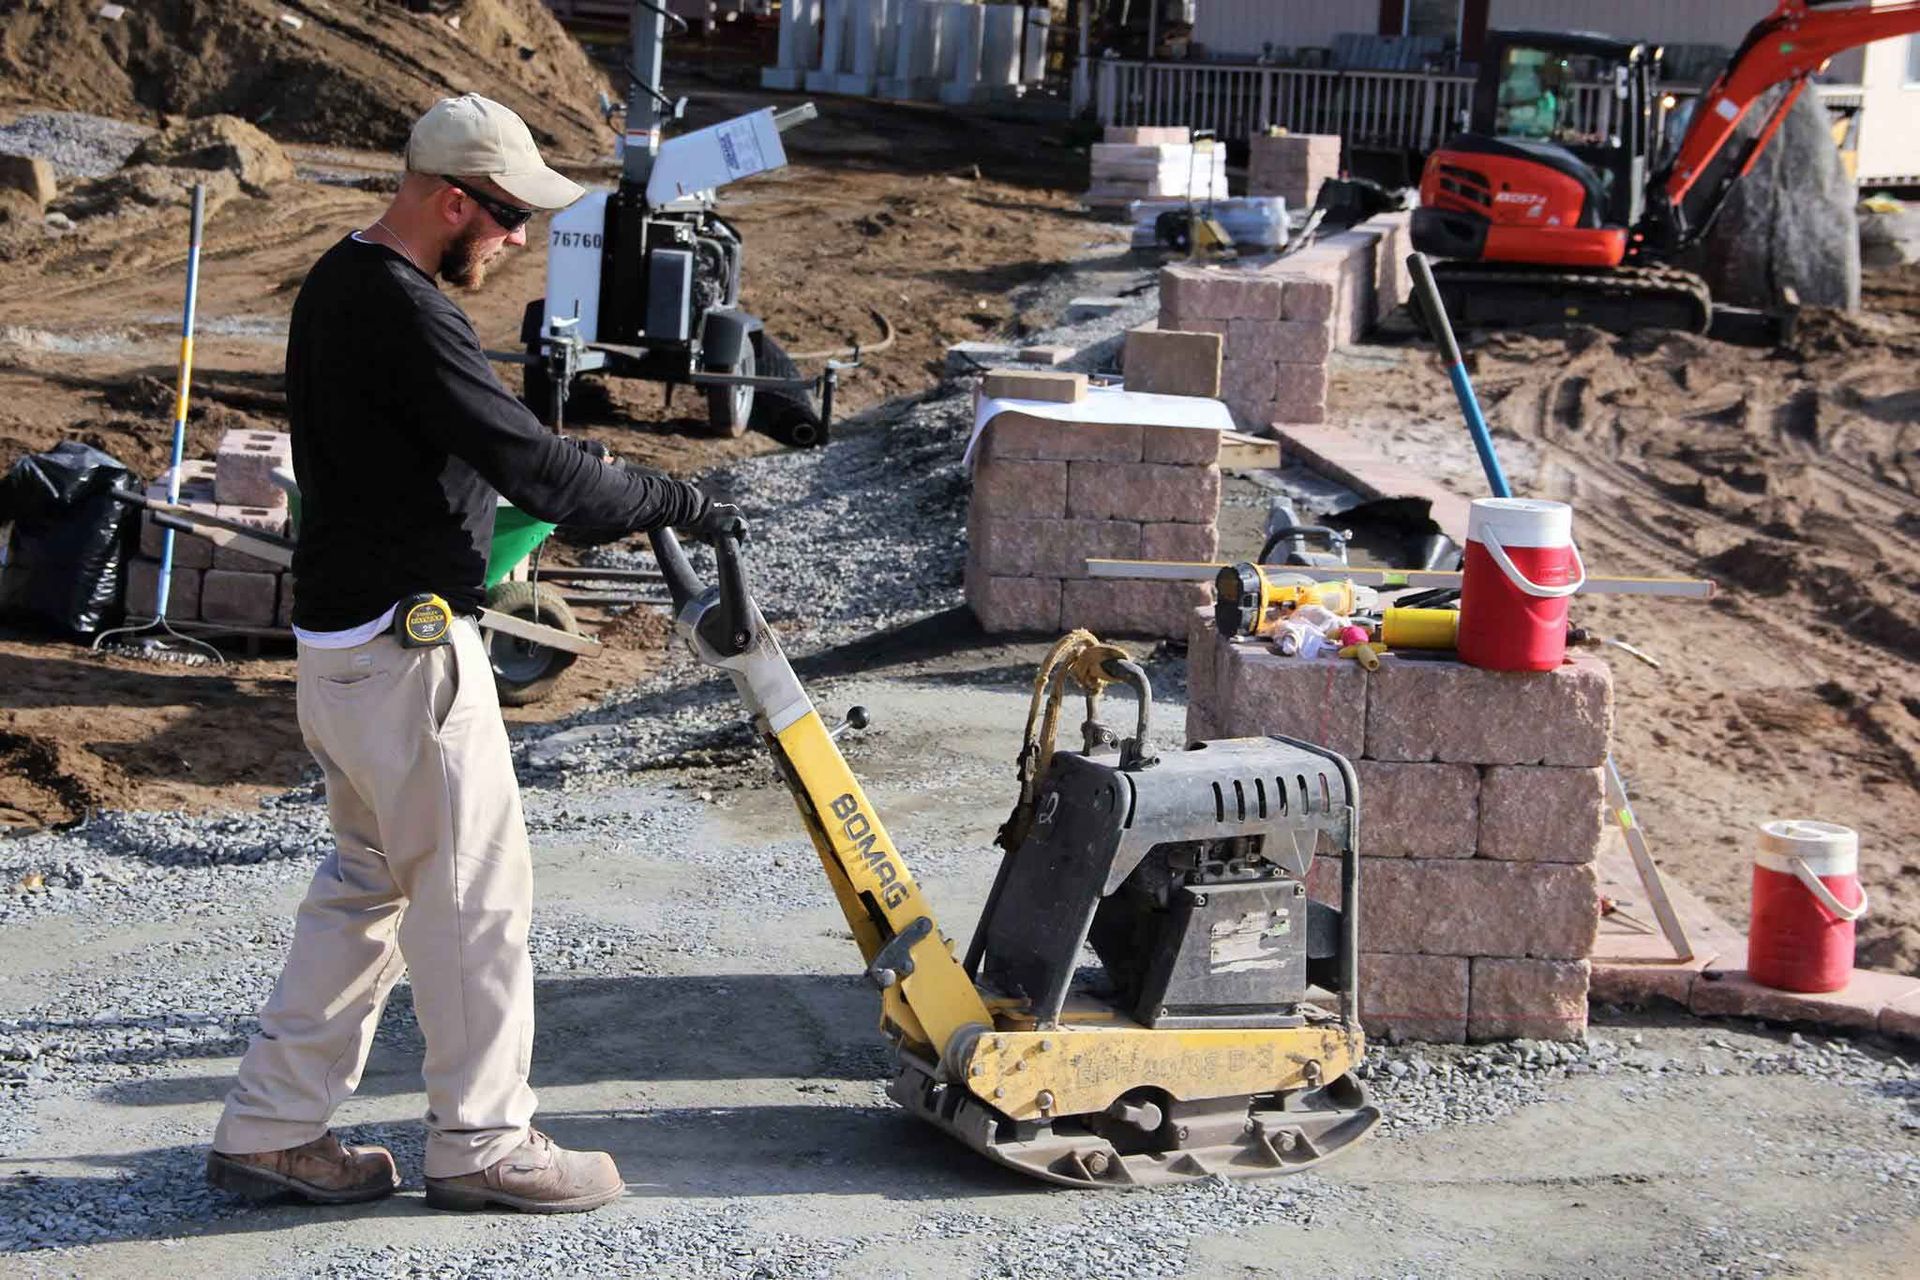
column 402, row 436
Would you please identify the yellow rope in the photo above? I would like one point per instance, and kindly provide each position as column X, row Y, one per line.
column 1080, row 656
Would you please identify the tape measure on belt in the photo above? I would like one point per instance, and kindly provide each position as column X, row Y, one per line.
column 422, row 621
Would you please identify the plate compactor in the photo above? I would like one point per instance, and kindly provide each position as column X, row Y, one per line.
column 1193, row 1049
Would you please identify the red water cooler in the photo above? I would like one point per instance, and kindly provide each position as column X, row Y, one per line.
column 1521, row 566
column 1806, row 897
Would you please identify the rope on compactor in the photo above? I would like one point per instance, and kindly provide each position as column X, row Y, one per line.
column 1081, row 657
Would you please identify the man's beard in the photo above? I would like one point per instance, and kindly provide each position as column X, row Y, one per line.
column 464, row 263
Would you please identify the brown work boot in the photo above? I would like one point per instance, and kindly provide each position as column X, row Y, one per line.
column 324, row 1171
column 538, row 1176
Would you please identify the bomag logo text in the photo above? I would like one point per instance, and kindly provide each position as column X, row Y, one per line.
column 858, row 828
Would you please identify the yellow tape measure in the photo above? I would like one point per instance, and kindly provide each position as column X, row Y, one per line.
column 423, row 621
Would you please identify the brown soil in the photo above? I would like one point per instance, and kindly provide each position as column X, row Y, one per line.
column 881, row 211
column 355, row 72
column 1788, row 476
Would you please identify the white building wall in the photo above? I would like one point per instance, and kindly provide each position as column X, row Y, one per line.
column 1890, row 116
column 1240, row 27
column 1658, row 21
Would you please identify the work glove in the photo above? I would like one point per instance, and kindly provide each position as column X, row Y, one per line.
column 719, row 518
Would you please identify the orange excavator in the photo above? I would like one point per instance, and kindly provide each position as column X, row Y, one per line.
column 1563, row 202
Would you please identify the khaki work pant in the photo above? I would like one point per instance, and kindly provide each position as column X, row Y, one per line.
column 431, row 874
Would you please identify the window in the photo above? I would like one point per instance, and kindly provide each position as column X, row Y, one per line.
column 1913, row 59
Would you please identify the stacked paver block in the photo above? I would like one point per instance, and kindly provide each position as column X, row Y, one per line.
column 1154, row 164
column 1281, row 320
column 143, row 590
column 235, row 597
column 196, row 493
column 1048, row 495
column 1480, row 818
column 1171, row 363
column 1292, row 165
column 244, row 465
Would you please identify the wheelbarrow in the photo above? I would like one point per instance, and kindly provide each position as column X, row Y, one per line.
column 527, row 660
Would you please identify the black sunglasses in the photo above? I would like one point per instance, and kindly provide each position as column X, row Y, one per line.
column 511, row 217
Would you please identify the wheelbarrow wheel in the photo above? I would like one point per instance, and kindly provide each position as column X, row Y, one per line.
column 729, row 409
column 525, row 671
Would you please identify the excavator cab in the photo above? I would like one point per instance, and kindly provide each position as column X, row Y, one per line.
column 1564, row 201
column 1553, row 166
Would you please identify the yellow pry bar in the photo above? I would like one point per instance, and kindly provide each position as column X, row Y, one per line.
column 864, row 867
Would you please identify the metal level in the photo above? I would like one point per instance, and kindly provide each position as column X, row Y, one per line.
column 1428, row 579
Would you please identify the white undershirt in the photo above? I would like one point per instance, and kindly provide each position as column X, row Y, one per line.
column 351, row 638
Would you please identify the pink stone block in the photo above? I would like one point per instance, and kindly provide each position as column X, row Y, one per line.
column 1012, row 604
column 1201, row 646
column 196, row 492
column 1142, row 491
column 1249, row 380
column 1181, row 446
column 143, row 589
column 269, row 521
column 1538, row 814
column 1173, row 363
column 237, row 598
column 1405, row 997
column 1858, row 1007
column 1019, row 487
column 1322, row 701
column 1437, row 709
column 1280, row 341
column 1542, row 910
column 1466, row 907
column 1418, row 810
column 1309, row 296
column 1179, row 541
column 1022, row 548
column 1527, row 999
column 1020, row 436
column 1114, row 606
column 244, row 465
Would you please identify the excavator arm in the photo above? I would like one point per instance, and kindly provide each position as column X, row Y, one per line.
column 1787, row 47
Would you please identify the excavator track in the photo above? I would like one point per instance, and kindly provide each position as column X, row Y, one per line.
column 1619, row 299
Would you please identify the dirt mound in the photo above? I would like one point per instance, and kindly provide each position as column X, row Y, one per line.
column 145, row 186
column 350, row 73
column 223, row 143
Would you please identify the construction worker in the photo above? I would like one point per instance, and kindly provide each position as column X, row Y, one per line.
column 402, row 438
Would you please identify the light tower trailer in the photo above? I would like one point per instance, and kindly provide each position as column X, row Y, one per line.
column 644, row 281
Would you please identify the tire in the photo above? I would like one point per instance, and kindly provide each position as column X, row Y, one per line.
column 525, row 672
column 788, row 416
column 730, row 409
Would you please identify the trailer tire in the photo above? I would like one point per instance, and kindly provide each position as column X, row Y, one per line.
column 524, row 672
column 788, row 416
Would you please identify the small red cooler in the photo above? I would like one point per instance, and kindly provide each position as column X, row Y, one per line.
column 1521, row 565
column 1804, row 876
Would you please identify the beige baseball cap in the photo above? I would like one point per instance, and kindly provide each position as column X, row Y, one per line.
column 475, row 137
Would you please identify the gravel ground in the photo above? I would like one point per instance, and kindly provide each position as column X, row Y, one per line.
column 76, row 144
column 659, row 809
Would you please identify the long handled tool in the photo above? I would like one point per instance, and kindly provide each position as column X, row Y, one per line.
column 1427, row 293
column 160, row 642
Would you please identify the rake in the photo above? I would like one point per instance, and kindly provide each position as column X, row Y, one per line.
column 155, row 639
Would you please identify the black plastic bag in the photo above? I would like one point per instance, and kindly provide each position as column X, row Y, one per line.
column 66, row 561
